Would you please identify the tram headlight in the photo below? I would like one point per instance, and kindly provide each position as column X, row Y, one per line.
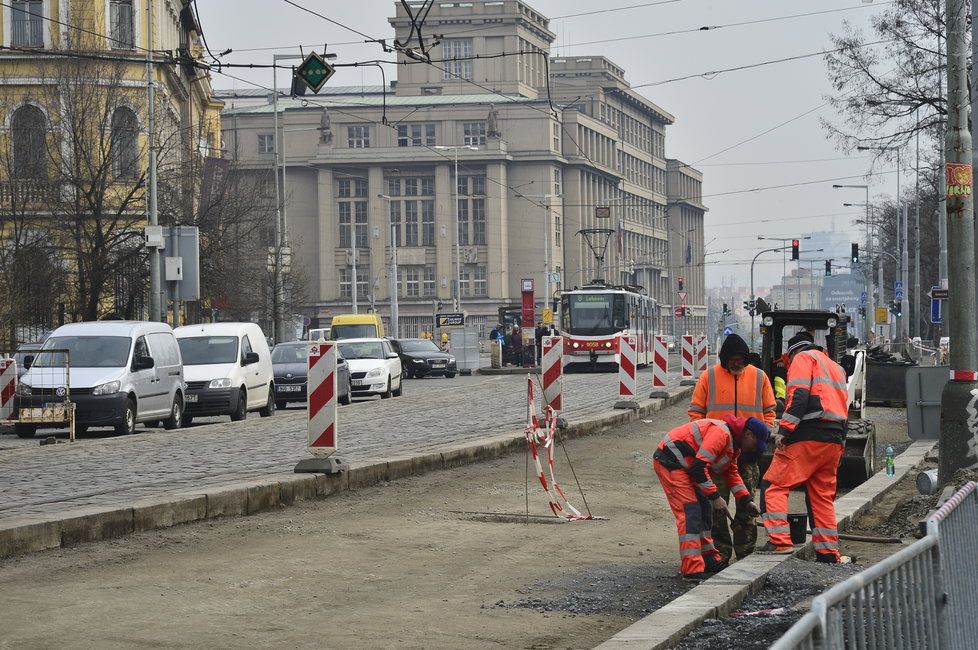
column 575, row 345
column 768, row 321
column 607, row 344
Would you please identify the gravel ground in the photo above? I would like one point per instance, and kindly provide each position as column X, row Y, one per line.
column 791, row 585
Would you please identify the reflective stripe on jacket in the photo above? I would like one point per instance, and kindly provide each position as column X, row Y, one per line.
column 702, row 447
column 719, row 392
column 818, row 397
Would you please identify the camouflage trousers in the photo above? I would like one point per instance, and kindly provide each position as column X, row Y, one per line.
column 743, row 526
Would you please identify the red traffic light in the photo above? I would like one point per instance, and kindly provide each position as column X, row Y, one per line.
column 794, row 249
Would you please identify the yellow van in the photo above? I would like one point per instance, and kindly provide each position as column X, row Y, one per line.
column 356, row 326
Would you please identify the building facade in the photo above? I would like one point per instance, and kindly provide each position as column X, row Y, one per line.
column 480, row 172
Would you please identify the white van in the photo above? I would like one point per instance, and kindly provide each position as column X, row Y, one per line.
column 228, row 370
column 121, row 373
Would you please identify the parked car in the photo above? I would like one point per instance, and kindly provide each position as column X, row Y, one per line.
column 351, row 326
column 121, row 373
column 290, row 365
column 375, row 369
column 228, row 369
column 23, row 351
column 421, row 357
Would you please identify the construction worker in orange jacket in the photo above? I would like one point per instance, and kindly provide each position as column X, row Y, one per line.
column 733, row 387
column 809, row 444
column 686, row 461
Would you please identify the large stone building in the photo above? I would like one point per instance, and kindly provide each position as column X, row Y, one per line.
column 536, row 157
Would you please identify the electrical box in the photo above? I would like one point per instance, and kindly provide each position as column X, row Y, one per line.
column 154, row 237
column 174, row 269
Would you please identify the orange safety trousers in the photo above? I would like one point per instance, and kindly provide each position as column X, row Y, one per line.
column 815, row 464
column 694, row 519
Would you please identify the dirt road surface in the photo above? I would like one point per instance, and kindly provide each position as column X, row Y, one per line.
column 393, row 565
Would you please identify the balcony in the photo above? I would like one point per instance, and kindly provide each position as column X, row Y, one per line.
column 28, row 192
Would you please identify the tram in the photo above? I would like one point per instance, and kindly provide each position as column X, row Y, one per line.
column 594, row 317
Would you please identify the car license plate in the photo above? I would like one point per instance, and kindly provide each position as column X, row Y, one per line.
column 191, row 398
column 289, row 389
column 359, row 382
column 438, row 365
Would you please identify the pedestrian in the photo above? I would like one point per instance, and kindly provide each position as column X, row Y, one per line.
column 734, row 388
column 686, row 461
column 446, row 344
column 516, row 345
column 809, row 445
column 538, row 335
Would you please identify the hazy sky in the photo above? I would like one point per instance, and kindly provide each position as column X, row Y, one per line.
column 711, row 114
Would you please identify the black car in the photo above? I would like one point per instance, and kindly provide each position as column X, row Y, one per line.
column 290, row 366
column 421, row 357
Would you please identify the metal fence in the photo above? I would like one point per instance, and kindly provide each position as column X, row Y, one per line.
column 36, row 390
column 923, row 596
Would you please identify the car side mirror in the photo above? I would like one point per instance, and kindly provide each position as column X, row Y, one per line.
column 392, row 356
column 249, row 358
column 143, row 363
column 28, row 361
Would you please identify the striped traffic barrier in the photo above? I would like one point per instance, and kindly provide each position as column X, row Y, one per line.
column 626, row 372
column 702, row 360
column 688, row 354
column 552, row 372
column 660, row 367
column 322, row 410
column 8, row 387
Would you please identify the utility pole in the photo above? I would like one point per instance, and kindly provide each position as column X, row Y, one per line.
column 395, row 284
column 961, row 392
column 155, row 281
column 904, row 278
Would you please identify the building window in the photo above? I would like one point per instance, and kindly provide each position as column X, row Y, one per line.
column 410, row 223
column 266, row 143
column 28, row 127
column 27, row 23
column 471, row 210
column 481, row 281
column 557, row 231
column 479, row 222
column 417, row 209
column 124, row 148
column 473, row 133
column 428, row 222
column 558, row 182
column 457, row 48
column 463, row 221
column 358, row 137
column 121, row 24
column 352, row 204
column 556, row 136
column 412, row 282
column 429, row 281
column 345, row 275
column 474, row 280
column 415, row 135
column 395, row 214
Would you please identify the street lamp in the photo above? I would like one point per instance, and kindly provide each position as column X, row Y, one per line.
column 394, row 283
column 868, row 277
column 753, row 298
column 784, row 262
column 458, row 242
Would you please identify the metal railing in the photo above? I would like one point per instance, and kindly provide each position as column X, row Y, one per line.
column 923, row 596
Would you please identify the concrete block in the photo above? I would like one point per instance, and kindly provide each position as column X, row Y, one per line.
column 27, row 535
column 366, row 473
column 168, row 511
column 94, row 524
column 297, row 488
column 264, row 495
column 327, row 484
column 227, row 502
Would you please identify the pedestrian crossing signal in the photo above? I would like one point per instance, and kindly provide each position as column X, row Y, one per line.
column 828, row 268
column 855, row 253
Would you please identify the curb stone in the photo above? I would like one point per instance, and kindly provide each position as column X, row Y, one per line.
column 724, row 592
column 247, row 497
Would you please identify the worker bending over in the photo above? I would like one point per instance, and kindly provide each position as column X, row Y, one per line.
column 686, row 461
column 809, row 444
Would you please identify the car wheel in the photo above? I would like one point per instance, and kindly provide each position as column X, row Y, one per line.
column 347, row 397
column 175, row 421
column 25, row 430
column 269, row 409
column 187, row 420
column 400, row 387
column 241, row 409
column 387, row 393
column 449, row 375
column 281, row 405
column 128, row 425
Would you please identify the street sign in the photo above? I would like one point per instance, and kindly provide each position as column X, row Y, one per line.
column 727, row 331
column 682, row 296
column 938, row 293
column 898, row 285
column 314, row 72
column 935, row 311
column 680, row 312
column 862, row 300
column 451, row 320
column 881, row 316
column 548, row 316
column 602, row 212
column 898, row 294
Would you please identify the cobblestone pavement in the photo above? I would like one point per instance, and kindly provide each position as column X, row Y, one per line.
column 432, row 414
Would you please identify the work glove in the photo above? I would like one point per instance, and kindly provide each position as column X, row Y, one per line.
column 719, row 504
column 752, row 509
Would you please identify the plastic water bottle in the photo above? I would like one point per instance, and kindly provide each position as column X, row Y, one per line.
column 890, row 467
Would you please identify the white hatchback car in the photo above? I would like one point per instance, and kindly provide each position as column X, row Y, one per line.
column 375, row 369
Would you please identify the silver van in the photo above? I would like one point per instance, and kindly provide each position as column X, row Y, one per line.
column 121, row 373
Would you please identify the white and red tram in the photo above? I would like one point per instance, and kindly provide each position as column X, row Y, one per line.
column 594, row 317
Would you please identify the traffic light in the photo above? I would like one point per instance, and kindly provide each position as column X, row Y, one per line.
column 726, row 310
column 895, row 308
column 794, row 249
column 828, row 268
column 855, row 253
column 680, row 281
column 747, row 306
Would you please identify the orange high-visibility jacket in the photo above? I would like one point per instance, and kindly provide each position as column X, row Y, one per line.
column 699, row 446
column 817, row 407
column 719, row 392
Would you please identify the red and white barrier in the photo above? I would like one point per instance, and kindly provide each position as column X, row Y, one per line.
column 552, row 371
column 8, row 387
column 321, row 397
column 702, row 360
column 627, row 386
column 688, row 352
column 660, row 365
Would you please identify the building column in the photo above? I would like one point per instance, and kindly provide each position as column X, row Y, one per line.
column 378, row 233
column 497, row 231
column 326, row 273
column 445, row 229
